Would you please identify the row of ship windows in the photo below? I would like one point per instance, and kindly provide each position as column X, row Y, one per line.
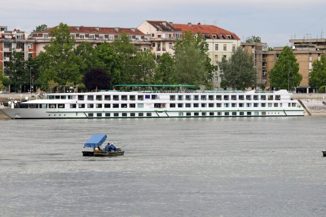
column 182, row 114
column 162, row 105
column 172, row 97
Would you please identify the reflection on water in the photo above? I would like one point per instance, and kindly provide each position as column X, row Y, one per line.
column 177, row 167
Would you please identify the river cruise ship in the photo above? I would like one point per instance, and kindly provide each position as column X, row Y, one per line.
column 151, row 104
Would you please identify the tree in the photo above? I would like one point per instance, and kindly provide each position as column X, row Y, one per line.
column 238, row 71
column 285, row 73
column 253, row 39
column 40, row 28
column 165, row 71
column 97, row 79
column 17, row 71
column 143, row 67
column 317, row 77
column 59, row 62
column 192, row 64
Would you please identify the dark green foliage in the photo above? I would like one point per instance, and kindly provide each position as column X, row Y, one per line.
column 97, row 79
column 40, row 28
column 165, row 71
column 18, row 72
column 238, row 72
column 317, row 77
column 285, row 73
column 192, row 64
column 143, row 68
column 253, row 39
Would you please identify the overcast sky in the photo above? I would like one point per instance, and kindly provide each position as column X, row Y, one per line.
column 275, row 21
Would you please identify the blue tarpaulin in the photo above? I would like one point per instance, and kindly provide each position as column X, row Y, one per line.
column 95, row 140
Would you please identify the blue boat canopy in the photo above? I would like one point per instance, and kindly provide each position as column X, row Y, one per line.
column 95, row 140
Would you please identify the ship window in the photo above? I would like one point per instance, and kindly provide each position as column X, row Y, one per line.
column 57, row 97
column 203, row 105
column 180, row 97
column 147, row 96
column 69, row 97
column 140, row 114
column 172, row 97
column 90, row 97
column 233, row 97
column 124, row 97
column 107, row 114
column 107, row 97
column 234, row 113
column 270, row 105
column 211, row 97
column 203, row 113
column 73, row 105
column 33, row 106
column 124, row 106
column 255, row 104
column 81, row 105
column 211, row 114
column 270, row 97
column 90, row 105
column 188, row 114
column 140, row 97
column 116, row 114
column 51, row 97
column 218, row 105
column 211, row 105
column 203, row 97
column 241, row 113
column 226, row 105
column 132, row 105
column 132, row 115
column 172, row 105
column 124, row 114
column 98, row 105
column 154, row 96
column 180, row 105
column 99, row 114
column 241, row 105
column 132, row 97
column 196, row 114
column 248, row 105
column 219, row 113
column 61, row 105
column 263, row 97
column 293, row 104
column 188, row 97
column 90, row 115
column 115, row 105
column 277, row 97
column 149, row 114
column 255, row 97
column 248, row 97
column 80, row 97
column 275, row 104
column 241, row 97
column 233, row 105
column 226, row 97
column 107, row 105
column 196, row 97
column 218, row 97
column 196, row 105
column 226, row 113
column 249, row 113
column 263, row 105
column 188, row 105
column 289, row 104
column 99, row 97
column 62, row 97
column 140, row 105
column 115, row 97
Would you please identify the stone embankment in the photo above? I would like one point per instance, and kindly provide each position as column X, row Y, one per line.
column 314, row 104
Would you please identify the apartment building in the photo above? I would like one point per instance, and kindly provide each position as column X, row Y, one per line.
column 93, row 35
column 163, row 35
column 306, row 51
column 256, row 50
column 12, row 41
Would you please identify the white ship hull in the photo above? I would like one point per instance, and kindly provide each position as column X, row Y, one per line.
column 102, row 105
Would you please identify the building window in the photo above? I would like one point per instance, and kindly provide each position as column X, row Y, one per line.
column 224, row 47
column 216, row 46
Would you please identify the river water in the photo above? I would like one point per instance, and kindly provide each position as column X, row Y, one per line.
column 172, row 167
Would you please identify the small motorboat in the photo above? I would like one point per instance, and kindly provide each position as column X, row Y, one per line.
column 95, row 142
column 324, row 153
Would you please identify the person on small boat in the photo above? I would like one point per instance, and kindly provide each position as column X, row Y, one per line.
column 110, row 147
